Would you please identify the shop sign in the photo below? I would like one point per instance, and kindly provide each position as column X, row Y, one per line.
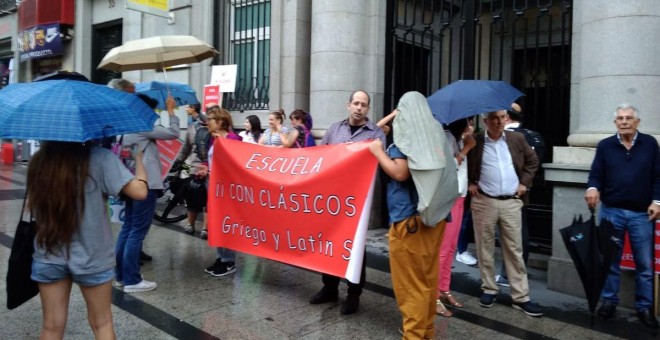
column 41, row 41
column 159, row 8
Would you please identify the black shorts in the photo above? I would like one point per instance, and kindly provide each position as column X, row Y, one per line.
column 196, row 194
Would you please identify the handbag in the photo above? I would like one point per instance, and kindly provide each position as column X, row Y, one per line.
column 20, row 287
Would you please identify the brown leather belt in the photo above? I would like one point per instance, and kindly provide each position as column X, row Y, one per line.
column 501, row 198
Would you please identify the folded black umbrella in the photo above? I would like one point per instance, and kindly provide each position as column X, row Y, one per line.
column 592, row 249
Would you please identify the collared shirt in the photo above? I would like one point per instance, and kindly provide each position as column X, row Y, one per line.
column 618, row 136
column 340, row 132
column 498, row 175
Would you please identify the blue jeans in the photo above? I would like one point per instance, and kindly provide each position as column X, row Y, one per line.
column 129, row 242
column 466, row 232
column 640, row 233
column 226, row 255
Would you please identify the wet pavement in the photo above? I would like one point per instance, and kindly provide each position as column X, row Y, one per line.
column 265, row 299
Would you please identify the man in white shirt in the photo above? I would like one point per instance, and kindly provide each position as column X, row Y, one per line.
column 501, row 168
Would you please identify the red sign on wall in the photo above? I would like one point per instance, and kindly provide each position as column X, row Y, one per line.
column 308, row 207
column 627, row 259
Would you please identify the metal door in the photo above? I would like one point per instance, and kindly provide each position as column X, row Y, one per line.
column 432, row 43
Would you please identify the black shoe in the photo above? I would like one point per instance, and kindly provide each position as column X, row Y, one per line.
column 351, row 305
column 607, row 310
column 145, row 257
column 487, row 300
column 323, row 296
column 141, row 263
column 225, row 268
column 646, row 317
column 530, row 308
column 214, row 266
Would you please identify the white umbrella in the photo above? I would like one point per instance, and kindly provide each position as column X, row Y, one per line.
column 157, row 53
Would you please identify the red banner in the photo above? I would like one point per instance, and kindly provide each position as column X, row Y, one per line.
column 168, row 150
column 627, row 259
column 307, row 207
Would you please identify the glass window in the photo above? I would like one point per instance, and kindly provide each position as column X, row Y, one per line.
column 250, row 50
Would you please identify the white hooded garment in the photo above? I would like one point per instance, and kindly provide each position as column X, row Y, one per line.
column 420, row 137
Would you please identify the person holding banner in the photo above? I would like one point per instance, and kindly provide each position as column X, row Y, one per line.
column 221, row 126
column 625, row 176
column 356, row 128
column 276, row 134
column 421, row 191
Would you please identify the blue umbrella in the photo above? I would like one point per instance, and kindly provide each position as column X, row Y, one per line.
column 70, row 111
column 466, row 98
column 182, row 93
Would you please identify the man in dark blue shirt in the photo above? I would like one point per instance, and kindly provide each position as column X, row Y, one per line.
column 625, row 176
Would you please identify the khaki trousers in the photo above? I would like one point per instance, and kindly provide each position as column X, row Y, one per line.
column 487, row 214
column 414, row 271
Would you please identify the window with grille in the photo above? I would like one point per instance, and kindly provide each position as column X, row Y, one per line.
column 249, row 44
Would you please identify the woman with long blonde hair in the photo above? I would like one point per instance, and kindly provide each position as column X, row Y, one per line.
column 67, row 188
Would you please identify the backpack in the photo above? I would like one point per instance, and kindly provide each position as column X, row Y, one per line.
column 308, row 139
column 533, row 139
column 202, row 141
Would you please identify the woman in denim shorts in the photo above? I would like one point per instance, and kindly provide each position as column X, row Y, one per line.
column 68, row 184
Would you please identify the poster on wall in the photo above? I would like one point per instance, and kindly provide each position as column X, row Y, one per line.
column 159, row 8
column 41, row 41
column 225, row 76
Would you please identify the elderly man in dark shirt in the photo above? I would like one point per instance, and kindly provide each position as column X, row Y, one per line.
column 357, row 127
column 625, row 176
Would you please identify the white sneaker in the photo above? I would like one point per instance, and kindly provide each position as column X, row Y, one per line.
column 189, row 229
column 119, row 284
column 501, row 281
column 466, row 258
column 143, row 286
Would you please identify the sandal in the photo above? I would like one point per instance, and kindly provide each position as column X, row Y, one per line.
column 447, row 298
column 442, row 310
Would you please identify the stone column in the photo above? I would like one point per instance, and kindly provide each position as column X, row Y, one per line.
column 345, row 40
column 347, row 54
column 294, row 55
column 614, row 60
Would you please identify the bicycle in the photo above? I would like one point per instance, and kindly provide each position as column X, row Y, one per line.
column 173, row 196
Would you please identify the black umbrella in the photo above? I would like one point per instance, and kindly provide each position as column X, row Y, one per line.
column 592, row 249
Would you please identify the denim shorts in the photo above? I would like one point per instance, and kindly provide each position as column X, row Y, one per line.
column 49, row 273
